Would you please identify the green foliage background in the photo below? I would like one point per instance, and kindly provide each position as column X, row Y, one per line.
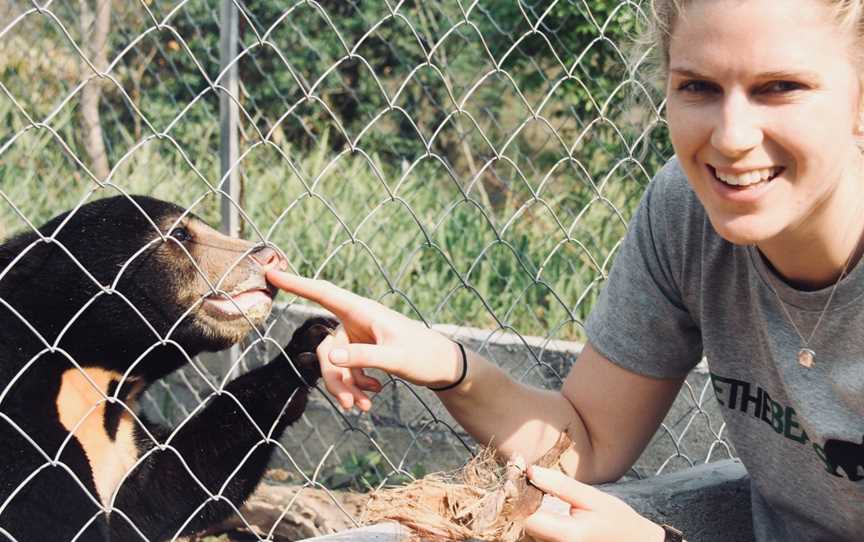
column 471, row 168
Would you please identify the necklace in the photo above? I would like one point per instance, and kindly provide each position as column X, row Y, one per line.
column 806, row 355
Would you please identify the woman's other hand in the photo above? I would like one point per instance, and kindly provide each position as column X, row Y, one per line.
column 594, row 515
column 372, row 336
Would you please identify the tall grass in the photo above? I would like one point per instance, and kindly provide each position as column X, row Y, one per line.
column 478, row 249
column 415, row 240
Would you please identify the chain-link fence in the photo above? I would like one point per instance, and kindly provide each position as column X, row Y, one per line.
column 472, row 164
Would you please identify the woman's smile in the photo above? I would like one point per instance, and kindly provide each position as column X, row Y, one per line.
column 743, row 185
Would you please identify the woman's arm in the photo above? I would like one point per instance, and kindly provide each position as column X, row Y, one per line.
column 609, row 413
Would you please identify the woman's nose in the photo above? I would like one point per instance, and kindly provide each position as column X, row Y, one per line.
column 737, row 129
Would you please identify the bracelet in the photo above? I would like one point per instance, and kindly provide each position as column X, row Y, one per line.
column 672, row 534
column 461, row 377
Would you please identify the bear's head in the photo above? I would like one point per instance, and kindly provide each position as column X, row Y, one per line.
column 119, row 278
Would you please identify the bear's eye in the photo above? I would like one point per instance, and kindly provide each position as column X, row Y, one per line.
column 181, row 234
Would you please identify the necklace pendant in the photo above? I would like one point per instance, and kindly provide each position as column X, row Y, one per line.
column 806, row 357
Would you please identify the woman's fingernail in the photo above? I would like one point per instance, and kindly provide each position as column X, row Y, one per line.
column 339, row 356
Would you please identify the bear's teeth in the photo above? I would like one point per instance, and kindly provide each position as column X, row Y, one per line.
column 240, row 303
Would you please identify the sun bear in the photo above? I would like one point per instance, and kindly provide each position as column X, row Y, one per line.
column 94, row 308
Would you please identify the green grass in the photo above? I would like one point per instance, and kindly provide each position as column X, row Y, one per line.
column 471, row 250
column 417, row 241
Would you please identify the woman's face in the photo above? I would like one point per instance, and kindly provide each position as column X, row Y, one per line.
column 763, row 101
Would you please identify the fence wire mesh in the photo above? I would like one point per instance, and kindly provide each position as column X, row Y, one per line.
column 470, row 164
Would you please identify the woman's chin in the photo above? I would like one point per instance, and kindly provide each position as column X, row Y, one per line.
column 745, row 230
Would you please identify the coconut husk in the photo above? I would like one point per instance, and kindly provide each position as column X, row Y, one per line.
column 484, row 501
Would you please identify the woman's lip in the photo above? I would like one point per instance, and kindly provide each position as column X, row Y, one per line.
column 741, row 171
column 740, row 194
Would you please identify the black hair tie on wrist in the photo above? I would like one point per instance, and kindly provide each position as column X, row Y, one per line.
column 464, row 371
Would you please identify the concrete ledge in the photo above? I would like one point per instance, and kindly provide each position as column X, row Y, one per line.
column 709, row 503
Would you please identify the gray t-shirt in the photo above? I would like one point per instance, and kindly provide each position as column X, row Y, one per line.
column 678, row 291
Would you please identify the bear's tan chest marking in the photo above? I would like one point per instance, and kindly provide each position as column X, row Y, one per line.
column 81, row 404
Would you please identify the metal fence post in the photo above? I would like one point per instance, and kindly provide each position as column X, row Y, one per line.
column 229, row 144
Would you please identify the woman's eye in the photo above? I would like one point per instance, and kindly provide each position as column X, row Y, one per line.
column 780, row 87
column 696, row 87
column 181, row 234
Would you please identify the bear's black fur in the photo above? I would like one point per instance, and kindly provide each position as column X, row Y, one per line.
column 93, row 309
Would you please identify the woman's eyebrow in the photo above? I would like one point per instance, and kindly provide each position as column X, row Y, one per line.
column 790, row 74
column 770, row 75
column 684, row 72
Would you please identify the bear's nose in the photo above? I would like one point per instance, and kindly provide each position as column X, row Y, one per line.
column 267, row 258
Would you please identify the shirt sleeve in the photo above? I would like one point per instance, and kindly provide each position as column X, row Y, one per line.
column 640, row 321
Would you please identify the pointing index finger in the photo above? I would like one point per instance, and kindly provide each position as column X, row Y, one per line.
column 329, row 296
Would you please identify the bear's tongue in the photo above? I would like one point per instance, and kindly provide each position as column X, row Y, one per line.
column 242, row 302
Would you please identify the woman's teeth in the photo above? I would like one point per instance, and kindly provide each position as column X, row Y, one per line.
column 749, row 178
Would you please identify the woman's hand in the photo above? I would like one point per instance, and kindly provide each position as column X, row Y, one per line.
column 594, row 515
column 372, row 336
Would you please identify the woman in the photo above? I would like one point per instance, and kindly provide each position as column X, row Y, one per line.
column 744, row 249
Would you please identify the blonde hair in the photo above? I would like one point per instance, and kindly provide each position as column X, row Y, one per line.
column 657, row 35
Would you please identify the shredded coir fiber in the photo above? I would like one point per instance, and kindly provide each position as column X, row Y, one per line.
column 484, row 501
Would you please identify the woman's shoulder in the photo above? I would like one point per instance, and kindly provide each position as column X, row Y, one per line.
column 671, row 189
column 671, row 203
column 676, row 219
